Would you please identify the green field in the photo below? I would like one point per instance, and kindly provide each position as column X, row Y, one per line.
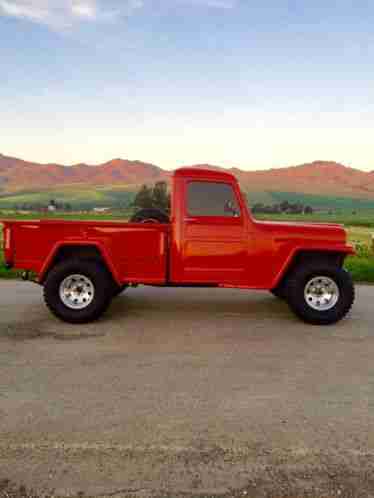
column 120, row 215
column 78, row 196
column 81, row 196
column 360, row 228
column 364, row 219
column 319, row 202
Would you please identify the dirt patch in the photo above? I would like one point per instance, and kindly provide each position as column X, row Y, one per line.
column 11, row 490
column 30, row 331
column 271, row 482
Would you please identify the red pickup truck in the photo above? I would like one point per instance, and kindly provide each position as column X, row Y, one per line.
column 210, row 240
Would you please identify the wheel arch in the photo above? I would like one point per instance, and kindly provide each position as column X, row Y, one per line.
column 87, row 250
column 332, row 257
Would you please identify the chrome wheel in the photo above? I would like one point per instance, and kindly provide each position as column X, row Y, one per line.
column 77, row 292
column 321, row 293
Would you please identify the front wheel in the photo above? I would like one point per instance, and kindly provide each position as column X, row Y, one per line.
column 320, row 294
column 280, row 292
column 78, row 291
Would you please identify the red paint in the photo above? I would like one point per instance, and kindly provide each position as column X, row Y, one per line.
column 226, row 251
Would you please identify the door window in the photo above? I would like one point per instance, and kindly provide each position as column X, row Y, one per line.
column 212, row 199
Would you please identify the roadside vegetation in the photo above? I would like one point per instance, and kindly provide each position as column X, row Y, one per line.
column 364, row 219
column 361, row 266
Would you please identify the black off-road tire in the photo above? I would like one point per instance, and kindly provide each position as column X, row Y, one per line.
column 280, row 291
column 103, row 286
column 150, row 215
column 296, row 286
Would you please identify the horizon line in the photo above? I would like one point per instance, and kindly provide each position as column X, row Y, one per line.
column 198, row 164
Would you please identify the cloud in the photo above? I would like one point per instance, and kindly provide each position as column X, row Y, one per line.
column 65, row 13
column 84, row 10
column 35, row 11
column 61, row 13
column 217, row 4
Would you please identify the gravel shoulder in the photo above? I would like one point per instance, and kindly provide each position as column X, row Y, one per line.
column 186, row 392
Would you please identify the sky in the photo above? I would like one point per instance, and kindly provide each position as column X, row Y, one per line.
column 178, row 82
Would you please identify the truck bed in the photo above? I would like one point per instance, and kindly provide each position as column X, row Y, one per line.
column 134, row 252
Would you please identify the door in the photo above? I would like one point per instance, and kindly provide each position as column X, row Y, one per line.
column 214, row 234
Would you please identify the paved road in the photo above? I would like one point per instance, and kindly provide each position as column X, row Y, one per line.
column 185, row 390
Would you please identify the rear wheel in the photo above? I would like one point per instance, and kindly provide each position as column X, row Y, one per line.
column 320, row 293
column 150, row 215
column 78, row 291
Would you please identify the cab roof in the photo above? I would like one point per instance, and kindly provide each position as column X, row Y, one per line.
column 204, row 173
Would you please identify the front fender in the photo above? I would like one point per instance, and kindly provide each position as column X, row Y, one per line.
column 343, row 249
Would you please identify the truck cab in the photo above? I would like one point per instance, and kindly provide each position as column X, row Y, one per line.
column 211, row 239
column 210, row 229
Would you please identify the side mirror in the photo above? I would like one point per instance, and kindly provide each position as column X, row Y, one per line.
column 230, row 208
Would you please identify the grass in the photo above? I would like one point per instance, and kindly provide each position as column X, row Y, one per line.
column 364, row 219
column 325, row 202
column 78, row 196
column 118, row 215
column 4, row 273
column 361, row 269
column 360, row 266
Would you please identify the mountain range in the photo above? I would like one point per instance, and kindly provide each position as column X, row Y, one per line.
column 21, row 179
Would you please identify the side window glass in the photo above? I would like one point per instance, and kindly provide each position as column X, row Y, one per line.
column 211, row 199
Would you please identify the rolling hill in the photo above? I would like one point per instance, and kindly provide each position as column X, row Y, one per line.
column 319, row 183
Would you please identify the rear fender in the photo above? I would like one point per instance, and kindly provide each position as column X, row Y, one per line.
column 60, row 246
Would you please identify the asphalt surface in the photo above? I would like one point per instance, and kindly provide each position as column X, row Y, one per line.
column 186, row 392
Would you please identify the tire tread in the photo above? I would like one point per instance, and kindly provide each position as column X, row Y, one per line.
column 296, row 301
column 95, row 271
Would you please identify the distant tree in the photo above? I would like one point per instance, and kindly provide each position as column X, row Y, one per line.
column 298, row 208
column 308, row 210
column 160, row 196
column 144, row 198
column 156, row 197
column 258, row 208
column 284, row 206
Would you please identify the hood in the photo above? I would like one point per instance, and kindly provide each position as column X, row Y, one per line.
column 321, row 232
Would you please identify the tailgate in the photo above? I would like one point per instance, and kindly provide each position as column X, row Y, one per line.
column 8, row 247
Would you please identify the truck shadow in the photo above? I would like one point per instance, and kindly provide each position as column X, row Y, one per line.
column 208, row 302
column 163, row 314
